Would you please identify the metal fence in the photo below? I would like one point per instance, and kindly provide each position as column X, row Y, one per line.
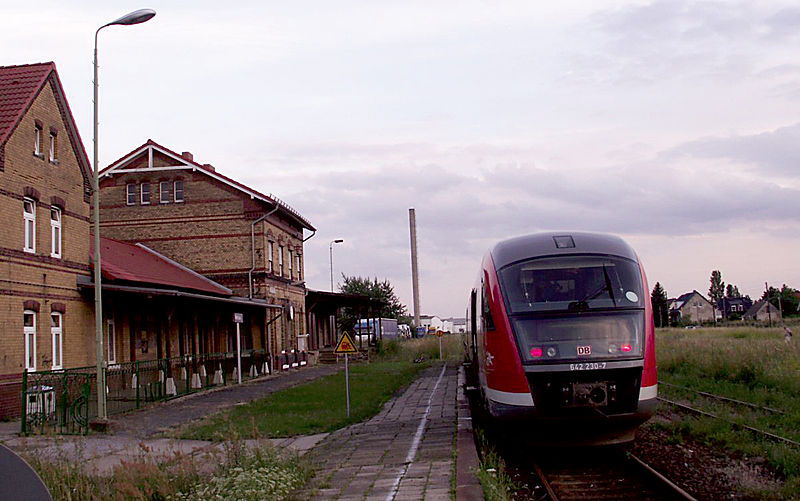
column 64, row 401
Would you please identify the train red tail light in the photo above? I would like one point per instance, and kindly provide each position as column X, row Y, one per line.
column 625, row 347
column 536, row 352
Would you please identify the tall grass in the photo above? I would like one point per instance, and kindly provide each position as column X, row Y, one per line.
column 423, row 349
column 746, row 363
column 236, row 472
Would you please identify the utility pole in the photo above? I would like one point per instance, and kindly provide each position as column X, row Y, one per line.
column 766, row 299
column 412, row 222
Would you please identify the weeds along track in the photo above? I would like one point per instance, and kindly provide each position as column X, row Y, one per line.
column 601, row 474
column 722, row 398
column 698, row 412
column 738, row 413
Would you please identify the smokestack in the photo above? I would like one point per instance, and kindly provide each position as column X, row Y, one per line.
column 412, row 222
column 187, row 155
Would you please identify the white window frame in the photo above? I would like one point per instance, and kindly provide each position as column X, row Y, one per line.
column 111, row 341
column 29, row 219
column 130, row 194
column 291, row 258
column 52, row 147
column 142, row 192
column 55, row 232
column 57, row 339
column 37, row 141
column 270, row 251
column 280, row 260
column 29, row 333
column 175, row 191
column 161, row 192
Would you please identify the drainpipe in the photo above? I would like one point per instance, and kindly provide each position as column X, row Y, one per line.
column 253, row 249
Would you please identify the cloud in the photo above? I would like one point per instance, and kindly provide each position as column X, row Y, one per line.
column 775, row 152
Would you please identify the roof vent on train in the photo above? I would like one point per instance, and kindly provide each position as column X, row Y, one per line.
column 564, row 242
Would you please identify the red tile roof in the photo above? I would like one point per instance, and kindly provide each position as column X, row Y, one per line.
column 137, row 263
column 19, row 85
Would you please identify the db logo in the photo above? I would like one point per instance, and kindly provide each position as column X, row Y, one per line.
column 584, row 350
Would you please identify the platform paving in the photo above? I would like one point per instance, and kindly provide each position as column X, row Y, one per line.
column 406, row 452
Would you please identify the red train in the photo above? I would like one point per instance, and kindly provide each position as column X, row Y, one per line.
column 562, row 338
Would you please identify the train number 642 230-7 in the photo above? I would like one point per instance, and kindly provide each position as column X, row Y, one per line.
column 587, row 366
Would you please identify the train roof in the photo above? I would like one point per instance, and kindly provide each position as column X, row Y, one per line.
column 559, row 244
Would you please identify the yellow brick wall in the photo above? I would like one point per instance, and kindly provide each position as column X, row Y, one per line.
column 38, row 276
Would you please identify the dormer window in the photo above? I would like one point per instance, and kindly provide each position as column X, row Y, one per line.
column 163, row 192
column 178, row 191
column 145, row 193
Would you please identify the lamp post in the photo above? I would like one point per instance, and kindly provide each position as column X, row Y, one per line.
column 135, row 17
column 330, row 248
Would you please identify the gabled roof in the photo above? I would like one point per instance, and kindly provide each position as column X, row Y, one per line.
column 19, row 87
column 182, row 163
column 758, row 306
column 144, row 266
column 681, row 300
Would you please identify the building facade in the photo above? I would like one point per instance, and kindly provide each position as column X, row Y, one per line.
column 691, row 307
column 244, row 240
column 45, row 182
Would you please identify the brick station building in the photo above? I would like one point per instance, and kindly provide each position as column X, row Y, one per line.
column 45, row 182
column 244, row 240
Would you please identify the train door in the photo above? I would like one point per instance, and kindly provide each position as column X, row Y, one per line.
column 473, row 325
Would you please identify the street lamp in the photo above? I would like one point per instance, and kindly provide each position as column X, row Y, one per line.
column 330, row 248
column 135, row 17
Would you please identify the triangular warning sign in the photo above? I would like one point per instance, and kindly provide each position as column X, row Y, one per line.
column 345, row 344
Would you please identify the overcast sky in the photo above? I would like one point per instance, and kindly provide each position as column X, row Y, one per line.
column 673, row 124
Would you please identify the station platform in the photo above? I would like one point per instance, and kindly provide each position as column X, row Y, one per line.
column 414, row 449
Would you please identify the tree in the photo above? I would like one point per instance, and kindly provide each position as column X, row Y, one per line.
column 660, row 304
column 717, row 289
column 786, row 299
column 732, row 291
column 383, row 291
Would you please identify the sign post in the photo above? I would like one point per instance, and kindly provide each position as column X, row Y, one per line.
column 346, row 346
column 439, row 334
column 238, row 318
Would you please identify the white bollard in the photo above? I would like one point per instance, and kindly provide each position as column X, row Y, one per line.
column 171, row 389
column 196, row 384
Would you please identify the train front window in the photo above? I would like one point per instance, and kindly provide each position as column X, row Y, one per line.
column 572, row 284
column 581, row 308
column 608, row 335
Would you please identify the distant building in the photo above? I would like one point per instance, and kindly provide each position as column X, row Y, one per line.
column 763, row 311
column 733, row 306
column 691, row 307
column 457, row 325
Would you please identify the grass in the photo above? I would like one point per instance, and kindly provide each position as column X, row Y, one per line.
column 319, row 406
column 745, row 363
column 497, row 485
column 238, row 473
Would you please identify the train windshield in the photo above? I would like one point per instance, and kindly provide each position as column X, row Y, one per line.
column 575, row 308
column 572, row 284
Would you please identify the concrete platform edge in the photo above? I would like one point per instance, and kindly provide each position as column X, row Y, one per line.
column 468, row 487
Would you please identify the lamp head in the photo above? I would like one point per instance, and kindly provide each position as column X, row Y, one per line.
column 135, row 17
column 338, row 241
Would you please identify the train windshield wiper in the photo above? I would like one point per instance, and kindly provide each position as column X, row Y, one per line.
column 583, row 303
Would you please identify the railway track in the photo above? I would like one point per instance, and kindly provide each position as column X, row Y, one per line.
column 606, row 474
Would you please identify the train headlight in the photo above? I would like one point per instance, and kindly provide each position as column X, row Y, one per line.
column 536, row 352
column 551, row 351
column 612, row 348
column 626, row 347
